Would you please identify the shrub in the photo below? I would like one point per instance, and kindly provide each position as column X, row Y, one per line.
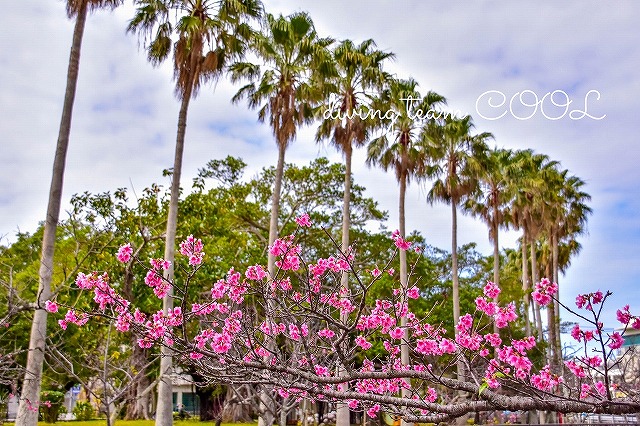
column 84, row 411
column 51, row 405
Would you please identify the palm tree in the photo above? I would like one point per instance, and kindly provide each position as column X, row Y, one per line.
column 209, row 34
column 566, row 220
column 455, row 155
column 357, row 72
column 31, row 386
column 290, row 49
column 398, row 148
column 492, row 198
column 530, row 175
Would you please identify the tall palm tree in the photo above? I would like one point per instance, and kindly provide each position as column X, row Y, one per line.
column 208, row 35
column 492, row 198
column 530, row 175
column 357, row 74
column 31, row 386
column 290, row 49
column 566, row 220
column 284, row 92
column 456, row 157
column 398, row 148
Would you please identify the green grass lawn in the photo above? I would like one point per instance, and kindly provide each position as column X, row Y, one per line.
column 136, row 423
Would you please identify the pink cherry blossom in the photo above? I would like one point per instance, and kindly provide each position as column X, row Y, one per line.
column 400, row 242
column 321, row 370
column 255, row 273
column 124, row 253
column 581, row 300
column 303, row 221
column 491, row 290
column 544, row 291
column 585, row 390
column 51, row 306
column 362, row 342
column 413, row 293
column 616, row 341
column 373, row 411
column 192, row 248
column 326, row 333
column 396, row 333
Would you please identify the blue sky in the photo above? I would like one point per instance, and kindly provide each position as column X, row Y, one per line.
column 125, row 113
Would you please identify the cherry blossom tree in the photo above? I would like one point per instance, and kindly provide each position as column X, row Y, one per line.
column 294, row 330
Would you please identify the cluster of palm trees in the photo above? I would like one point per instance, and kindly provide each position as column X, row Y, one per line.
column 298, row 75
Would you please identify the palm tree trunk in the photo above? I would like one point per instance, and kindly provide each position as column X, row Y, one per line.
column 343, row 416
column 456, row 282
column 30, row 394
column 164, row 411
column 454, row 265
column 496, row 257
column 267, row 407
column 534, row 278
column 525, row 285
column 275, row 207
column 556, row 303
column 346, row 214
column 552, row 350
column 404, row 278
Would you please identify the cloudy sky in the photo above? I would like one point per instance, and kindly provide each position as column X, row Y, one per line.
column 125, row 114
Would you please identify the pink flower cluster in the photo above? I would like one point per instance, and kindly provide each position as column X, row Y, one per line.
column 50, row 306
column 545, row 380
column 579, row 334
column 331, row 263
column 380, row 317
column 124, row 253
column 303, row 221
column 491, row 290
column 338, row 301
column 192, row 248
column 400, row 242
column 74, row 318
column 104, row 294
column 501, row 315
column 155, row 280
column 382, row 386
column 255, row 273
column 586, row 301
column 625, row 317
column 513, row 356
column 288, row 252
column 544, row 291
column 159, row 327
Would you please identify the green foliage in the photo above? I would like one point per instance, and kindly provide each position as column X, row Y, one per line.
column 50, row 405
column 84, row 411
column 230, row 213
